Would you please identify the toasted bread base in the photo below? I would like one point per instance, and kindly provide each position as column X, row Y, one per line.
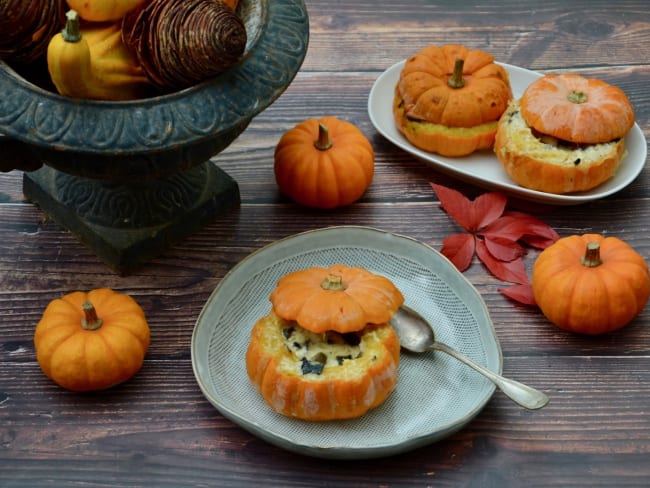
column 545, row 166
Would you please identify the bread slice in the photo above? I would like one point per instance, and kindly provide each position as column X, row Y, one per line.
column 549, row 165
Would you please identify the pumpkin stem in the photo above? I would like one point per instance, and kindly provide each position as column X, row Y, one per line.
column 71, row 32
column 591, row 259
column 333, row 283
column 90, row 321
column 456, row 80
column 577, row 97
column 323, row 143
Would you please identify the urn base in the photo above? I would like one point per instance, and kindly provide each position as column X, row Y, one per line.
column 127, row 224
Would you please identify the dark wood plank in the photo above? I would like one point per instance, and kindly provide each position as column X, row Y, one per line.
column 173, row 287
column 154, row 421
column 555, row 35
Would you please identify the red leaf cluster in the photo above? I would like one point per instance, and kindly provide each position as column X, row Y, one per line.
column 497, row 236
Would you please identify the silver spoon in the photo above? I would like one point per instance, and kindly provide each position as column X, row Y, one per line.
column 416, row 335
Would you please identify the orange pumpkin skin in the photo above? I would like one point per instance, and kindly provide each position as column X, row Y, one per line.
column 103, row 10
column 339, row 392
column 578, row 294
column 451, row 120
column 362, row 298
column 324, row 163
column 577, row 109
column 84, row 360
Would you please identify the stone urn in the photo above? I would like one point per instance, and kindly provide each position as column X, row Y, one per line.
column 131, row 178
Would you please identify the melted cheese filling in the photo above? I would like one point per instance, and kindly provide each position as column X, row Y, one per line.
column 313, row 352
column 525, row 141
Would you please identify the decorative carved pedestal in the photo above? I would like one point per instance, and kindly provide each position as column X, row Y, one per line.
column 128, row 224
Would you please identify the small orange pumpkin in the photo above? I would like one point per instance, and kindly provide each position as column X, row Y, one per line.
column 340, row 298
column 91, row 341
column 590, row 284
column 324, row 163
column 448, row 99
column 577, row 109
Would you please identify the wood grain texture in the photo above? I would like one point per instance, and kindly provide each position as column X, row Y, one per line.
column 158, row 430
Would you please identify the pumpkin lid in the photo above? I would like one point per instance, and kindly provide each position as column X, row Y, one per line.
column 577, row 109
column 453, row 86
column 340, row 298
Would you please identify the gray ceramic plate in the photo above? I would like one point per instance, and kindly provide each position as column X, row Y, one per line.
column 435, row 395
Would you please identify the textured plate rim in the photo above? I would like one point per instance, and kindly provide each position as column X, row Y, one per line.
column 377, row 111
column 343, row 452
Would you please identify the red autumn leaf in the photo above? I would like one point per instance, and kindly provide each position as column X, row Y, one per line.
column 457, row 205
column 488, row 207
column 506, row 227
column 459, row 249
column 471, row 215
column 496, row 236
column 513, row 271
column 535, row 230
column 522, row 293
column 504, row 249
column 537, row 242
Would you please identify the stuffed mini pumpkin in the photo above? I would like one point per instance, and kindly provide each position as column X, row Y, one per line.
column 326, row 351
column 91, row 341
column 565, row 134
column 324, row 163
column 448, row 99
column 590, row 284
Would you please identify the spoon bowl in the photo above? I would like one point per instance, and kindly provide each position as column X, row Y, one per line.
column 417, row 335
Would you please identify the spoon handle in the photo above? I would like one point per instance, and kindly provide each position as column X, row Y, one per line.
column 521, row 394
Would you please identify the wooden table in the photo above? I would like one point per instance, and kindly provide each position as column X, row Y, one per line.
column 159, row 430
